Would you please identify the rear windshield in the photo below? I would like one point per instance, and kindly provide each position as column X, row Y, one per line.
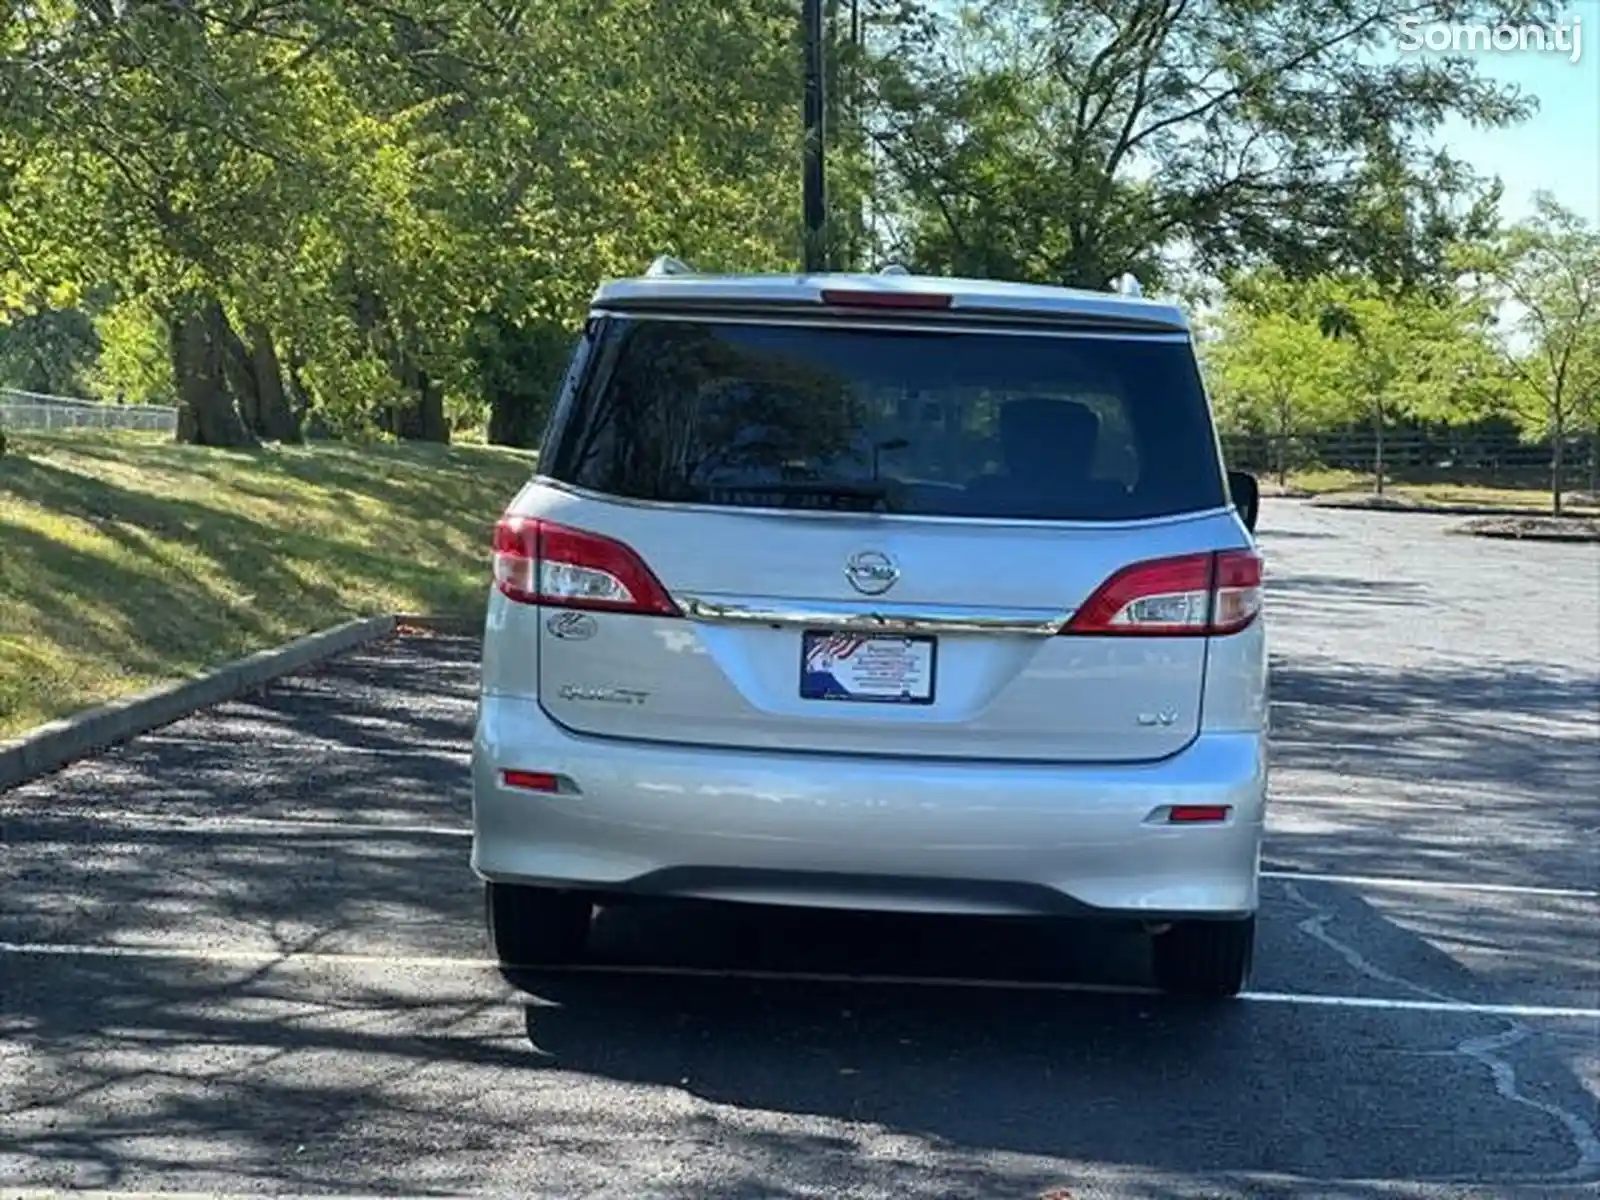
column 923, row 422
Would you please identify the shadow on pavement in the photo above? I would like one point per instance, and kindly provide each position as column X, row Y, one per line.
column 125, row 1072
column 1490, row 775
column 1125, row 1081
column 1345, row 590
column 326, row 1079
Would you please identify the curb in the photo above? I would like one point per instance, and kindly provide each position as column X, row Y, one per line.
column 440, row 624
column 1441, row 510
column 1549, row 539
column 53, row 746
column 1578, row 532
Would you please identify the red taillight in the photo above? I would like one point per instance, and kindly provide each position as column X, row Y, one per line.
column 532, row 781
column 1235, row 591
column 1197, row 594
column 540, row 562
column 859, row 298
column 1197, row 814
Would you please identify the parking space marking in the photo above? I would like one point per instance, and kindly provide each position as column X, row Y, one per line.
column 80, row 1194
column 392, row 961
column 1461, row 1007
column 1435, row 885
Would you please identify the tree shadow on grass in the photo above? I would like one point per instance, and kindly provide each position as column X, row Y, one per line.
column 434, row 478
column 164, row 585
column 258, row 550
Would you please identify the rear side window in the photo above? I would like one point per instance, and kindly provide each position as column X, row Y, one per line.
column 916, row 421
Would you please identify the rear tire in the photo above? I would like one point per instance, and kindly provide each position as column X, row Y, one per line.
column 1207, row 959
column 535, row 927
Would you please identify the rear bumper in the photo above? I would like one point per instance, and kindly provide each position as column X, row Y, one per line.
column 861, row 832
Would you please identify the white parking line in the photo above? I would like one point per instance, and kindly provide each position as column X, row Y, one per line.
column 424, row 962
column 1435, row 885
column 80, row 1194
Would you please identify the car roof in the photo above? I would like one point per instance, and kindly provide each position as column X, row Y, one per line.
column 683, row 289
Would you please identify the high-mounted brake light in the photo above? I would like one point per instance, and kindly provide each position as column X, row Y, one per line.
column 540, row 562
column 864, row 298
column 1193, row 595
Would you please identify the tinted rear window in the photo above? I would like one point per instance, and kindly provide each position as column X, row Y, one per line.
column 936, row 423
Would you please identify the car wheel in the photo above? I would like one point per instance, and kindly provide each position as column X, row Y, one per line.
column 1204, row 958
column 531, row 926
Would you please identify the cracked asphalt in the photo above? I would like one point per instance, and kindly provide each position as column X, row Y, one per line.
column 243, row 955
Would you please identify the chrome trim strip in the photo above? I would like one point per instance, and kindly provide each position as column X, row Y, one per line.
column 885, row 619
column 813, row 514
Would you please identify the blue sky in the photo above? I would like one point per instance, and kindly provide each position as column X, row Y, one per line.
column 1557, row 150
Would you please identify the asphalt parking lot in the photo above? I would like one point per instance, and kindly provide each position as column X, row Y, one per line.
column 243, row 955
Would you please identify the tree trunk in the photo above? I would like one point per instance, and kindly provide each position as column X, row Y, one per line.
column 1084, row 266
column 209, row 415
column 236, row 367
column 420, row 416
column 1558, row 428
column 522, row 369
column 253, row 372
column 307, row 422
column 430, row 410
column 278, row 420
column 1377, row 429
column 1283, row 443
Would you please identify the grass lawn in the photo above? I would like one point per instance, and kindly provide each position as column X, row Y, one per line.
column 1329, row 482
column 127, row 561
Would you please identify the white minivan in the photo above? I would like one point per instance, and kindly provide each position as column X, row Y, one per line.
column 878, row 592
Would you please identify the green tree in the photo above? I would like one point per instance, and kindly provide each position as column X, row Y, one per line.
column 1412, row 356
column 1073, row 140
column 1543, row 275
column 134, row 362
column 51, row 351
column 323, row 202
column 1279, row 373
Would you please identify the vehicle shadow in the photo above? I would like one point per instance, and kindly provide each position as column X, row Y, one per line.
column 731, row 1004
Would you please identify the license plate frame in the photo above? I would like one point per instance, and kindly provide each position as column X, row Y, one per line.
column 822, row 647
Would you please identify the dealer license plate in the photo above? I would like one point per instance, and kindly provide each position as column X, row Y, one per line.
column 868, row 668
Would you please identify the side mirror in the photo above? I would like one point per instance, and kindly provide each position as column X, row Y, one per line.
column 1246, row 493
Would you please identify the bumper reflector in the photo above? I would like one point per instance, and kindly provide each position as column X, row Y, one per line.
column 531, row 781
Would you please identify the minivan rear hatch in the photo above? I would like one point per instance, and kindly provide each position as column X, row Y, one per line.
column 881, row 535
